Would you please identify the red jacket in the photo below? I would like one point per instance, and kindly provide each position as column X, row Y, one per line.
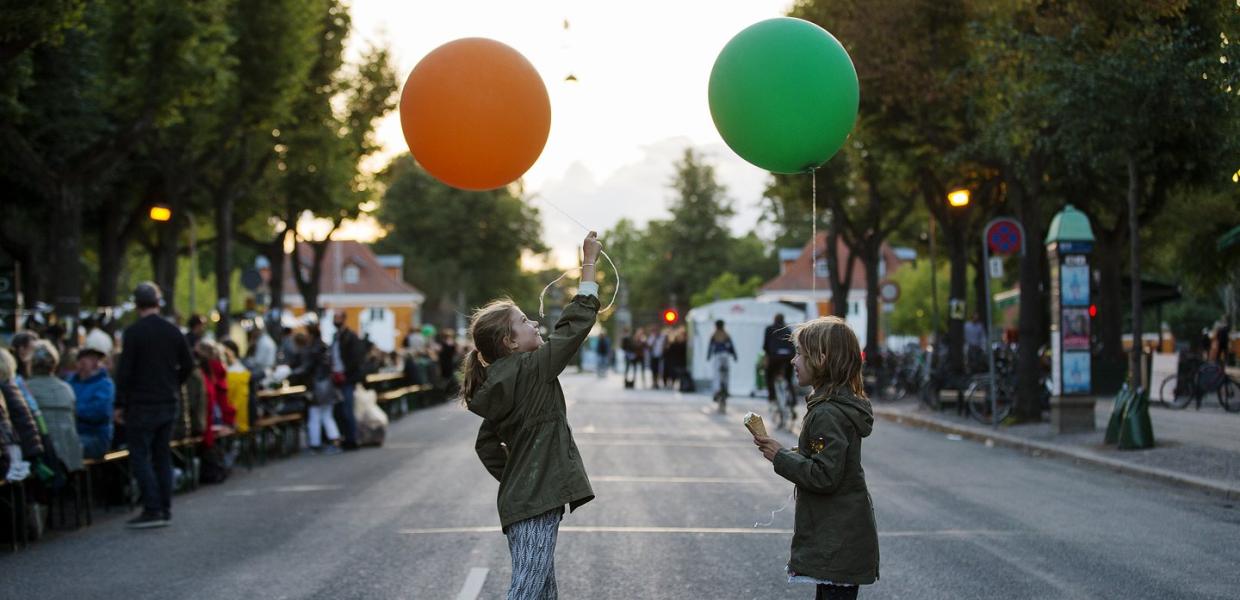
column 219, row 410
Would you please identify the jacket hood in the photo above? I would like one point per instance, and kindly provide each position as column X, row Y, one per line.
column 857, row 409
column 494, row 399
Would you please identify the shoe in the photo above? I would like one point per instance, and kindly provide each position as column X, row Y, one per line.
column 332, row 450
column 147, row 520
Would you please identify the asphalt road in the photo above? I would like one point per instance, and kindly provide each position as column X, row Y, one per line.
column 679, row 489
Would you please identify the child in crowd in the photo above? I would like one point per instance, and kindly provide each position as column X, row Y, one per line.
column 510, row 379
column 835, row 539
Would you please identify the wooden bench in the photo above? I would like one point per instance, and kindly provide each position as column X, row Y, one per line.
column 271, row 421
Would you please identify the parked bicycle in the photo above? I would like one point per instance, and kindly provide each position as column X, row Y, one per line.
column 1195, row 378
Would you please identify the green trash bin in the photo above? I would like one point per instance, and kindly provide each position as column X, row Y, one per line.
column 1137, row 432
column 1117, row 414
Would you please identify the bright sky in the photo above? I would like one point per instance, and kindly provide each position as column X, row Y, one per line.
column 642, row 68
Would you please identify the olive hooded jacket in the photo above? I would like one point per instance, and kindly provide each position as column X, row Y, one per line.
column 524, row 440
column 835, row 536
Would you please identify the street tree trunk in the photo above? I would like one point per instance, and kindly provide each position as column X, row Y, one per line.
column 1134, row 191
column 223, row 262
column 67, row 249
column 1032, row 303
column 873, row 255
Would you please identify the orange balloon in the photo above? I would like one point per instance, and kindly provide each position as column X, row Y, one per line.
column 475, row 114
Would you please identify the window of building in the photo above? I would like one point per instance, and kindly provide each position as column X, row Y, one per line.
column 351, row 274
column 820, row 268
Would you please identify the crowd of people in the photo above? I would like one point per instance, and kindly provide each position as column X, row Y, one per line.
column 77, row 395
column 663, row 352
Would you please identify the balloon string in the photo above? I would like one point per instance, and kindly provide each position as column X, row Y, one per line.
column 543, row 295
column 568, row 272
column 780, row 509
column 813, row 243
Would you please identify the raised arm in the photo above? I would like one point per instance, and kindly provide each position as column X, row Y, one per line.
column 577, row 320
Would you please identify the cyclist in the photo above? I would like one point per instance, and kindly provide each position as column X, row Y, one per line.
column 777, row 344
column 719, row 350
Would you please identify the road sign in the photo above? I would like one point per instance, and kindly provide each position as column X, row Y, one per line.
column 1004, row 236
column 996, row 267
column 889, row 291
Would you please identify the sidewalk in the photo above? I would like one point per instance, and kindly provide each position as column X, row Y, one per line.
column 1198, row 449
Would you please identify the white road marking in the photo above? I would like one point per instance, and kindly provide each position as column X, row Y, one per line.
column 721, row 531
column 629, row 479
column 286, row 489
column 473, row 584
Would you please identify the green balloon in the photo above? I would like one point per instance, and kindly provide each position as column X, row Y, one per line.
column 783, row 94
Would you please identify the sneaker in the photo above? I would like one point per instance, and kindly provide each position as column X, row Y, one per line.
column 147, row 520
column 332, row 450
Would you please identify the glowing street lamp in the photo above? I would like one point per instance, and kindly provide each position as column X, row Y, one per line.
column 958, row 198
column 161, row 213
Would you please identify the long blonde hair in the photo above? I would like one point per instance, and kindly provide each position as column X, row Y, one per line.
column 832, row 354
column 488, row 327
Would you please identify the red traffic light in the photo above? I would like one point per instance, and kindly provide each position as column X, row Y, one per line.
column 670, row 316
column 1093, row 310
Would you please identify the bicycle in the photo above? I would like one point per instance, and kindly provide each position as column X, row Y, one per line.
column 783, row 406
column 977, row 395
column 1200, row 378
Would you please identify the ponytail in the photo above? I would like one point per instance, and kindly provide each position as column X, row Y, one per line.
column 488, row 327
column 473, row 375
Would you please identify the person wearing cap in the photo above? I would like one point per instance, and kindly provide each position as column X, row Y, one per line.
column 154, row 362
column 96, row 397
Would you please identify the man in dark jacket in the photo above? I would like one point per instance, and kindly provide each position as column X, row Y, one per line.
column 777, row 344
column 347, row 355
column 155, row 361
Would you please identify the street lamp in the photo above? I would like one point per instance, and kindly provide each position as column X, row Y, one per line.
column 958, row 198
column 162, row 214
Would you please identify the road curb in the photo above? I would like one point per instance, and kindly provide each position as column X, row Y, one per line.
column 1037, row 448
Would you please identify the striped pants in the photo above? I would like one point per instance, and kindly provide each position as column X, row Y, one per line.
column 532, row 544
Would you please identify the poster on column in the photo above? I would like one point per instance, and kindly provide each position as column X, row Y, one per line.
column 1074, row 288
column 1076, row 372
column 1075, row 329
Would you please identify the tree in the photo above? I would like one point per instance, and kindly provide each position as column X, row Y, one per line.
column 74, row 112
column 724, row 287
column 461, row 248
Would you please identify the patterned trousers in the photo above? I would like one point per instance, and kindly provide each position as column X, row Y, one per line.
column 532, row 544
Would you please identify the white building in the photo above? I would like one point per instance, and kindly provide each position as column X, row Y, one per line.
column 801, row 285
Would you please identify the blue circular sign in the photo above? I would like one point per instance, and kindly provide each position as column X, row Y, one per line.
column 1003, row 237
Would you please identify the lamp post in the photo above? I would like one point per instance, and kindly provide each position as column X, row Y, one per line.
column 162, row 213
column 957, row 198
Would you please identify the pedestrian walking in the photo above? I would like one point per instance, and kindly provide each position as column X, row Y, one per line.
column 510, row 379
column 155, row 361
column 347, row 353
column 834, row 538
column 658, row 345
column 604, row 354
column 717, row 354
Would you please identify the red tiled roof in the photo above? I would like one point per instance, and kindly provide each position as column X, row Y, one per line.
column 372, row 277
column 797, row 276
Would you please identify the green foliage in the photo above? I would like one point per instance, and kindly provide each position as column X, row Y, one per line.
column 673, row 261
column 726, row 286
column 455, row 241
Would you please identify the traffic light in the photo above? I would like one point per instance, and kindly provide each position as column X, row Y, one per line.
column 670, row 316
column 1093, row 310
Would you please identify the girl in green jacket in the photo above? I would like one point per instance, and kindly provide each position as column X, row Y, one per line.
column 511, row 380
column 834, row 540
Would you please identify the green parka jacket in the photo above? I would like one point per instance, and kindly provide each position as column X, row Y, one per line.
column 835, row 537
column 524, row 440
